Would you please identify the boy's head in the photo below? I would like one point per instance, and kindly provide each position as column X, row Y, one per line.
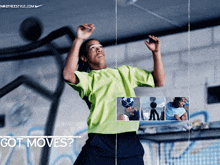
column 91, row 55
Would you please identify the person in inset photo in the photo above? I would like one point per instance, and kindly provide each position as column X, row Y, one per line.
column 126, row 110
column 175, row 110
column 128, row 114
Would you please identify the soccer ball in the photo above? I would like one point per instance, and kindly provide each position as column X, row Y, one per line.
column 127, row 101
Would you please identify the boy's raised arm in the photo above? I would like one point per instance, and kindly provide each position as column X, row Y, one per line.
column 83, row 32
column 154, row 46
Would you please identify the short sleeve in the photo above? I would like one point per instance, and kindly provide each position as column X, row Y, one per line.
column 180, row 111
column 140, row 77
column 83, row 86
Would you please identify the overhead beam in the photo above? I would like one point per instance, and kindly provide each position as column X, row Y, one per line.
column 193, row 26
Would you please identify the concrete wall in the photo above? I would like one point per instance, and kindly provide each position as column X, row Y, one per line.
column 191, row 61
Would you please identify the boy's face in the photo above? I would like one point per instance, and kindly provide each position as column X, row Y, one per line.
column 181, row 103
column 95, row 53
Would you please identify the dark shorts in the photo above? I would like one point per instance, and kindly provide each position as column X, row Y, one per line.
column 102, row 149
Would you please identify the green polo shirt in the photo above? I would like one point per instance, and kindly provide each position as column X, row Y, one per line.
column 102, row 87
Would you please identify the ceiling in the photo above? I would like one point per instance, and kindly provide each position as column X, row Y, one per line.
column 116, row 21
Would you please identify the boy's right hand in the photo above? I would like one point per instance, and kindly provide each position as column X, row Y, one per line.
column 84, row 31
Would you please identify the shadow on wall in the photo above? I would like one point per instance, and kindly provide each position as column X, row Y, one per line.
column 31, row 30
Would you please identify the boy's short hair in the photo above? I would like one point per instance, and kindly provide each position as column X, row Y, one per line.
column 83, row 66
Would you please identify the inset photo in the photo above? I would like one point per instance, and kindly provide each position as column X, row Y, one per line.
column 128, row 108
column 152, row 108
column 177, row 108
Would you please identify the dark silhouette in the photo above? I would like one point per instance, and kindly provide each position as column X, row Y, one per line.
column 153, row 112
